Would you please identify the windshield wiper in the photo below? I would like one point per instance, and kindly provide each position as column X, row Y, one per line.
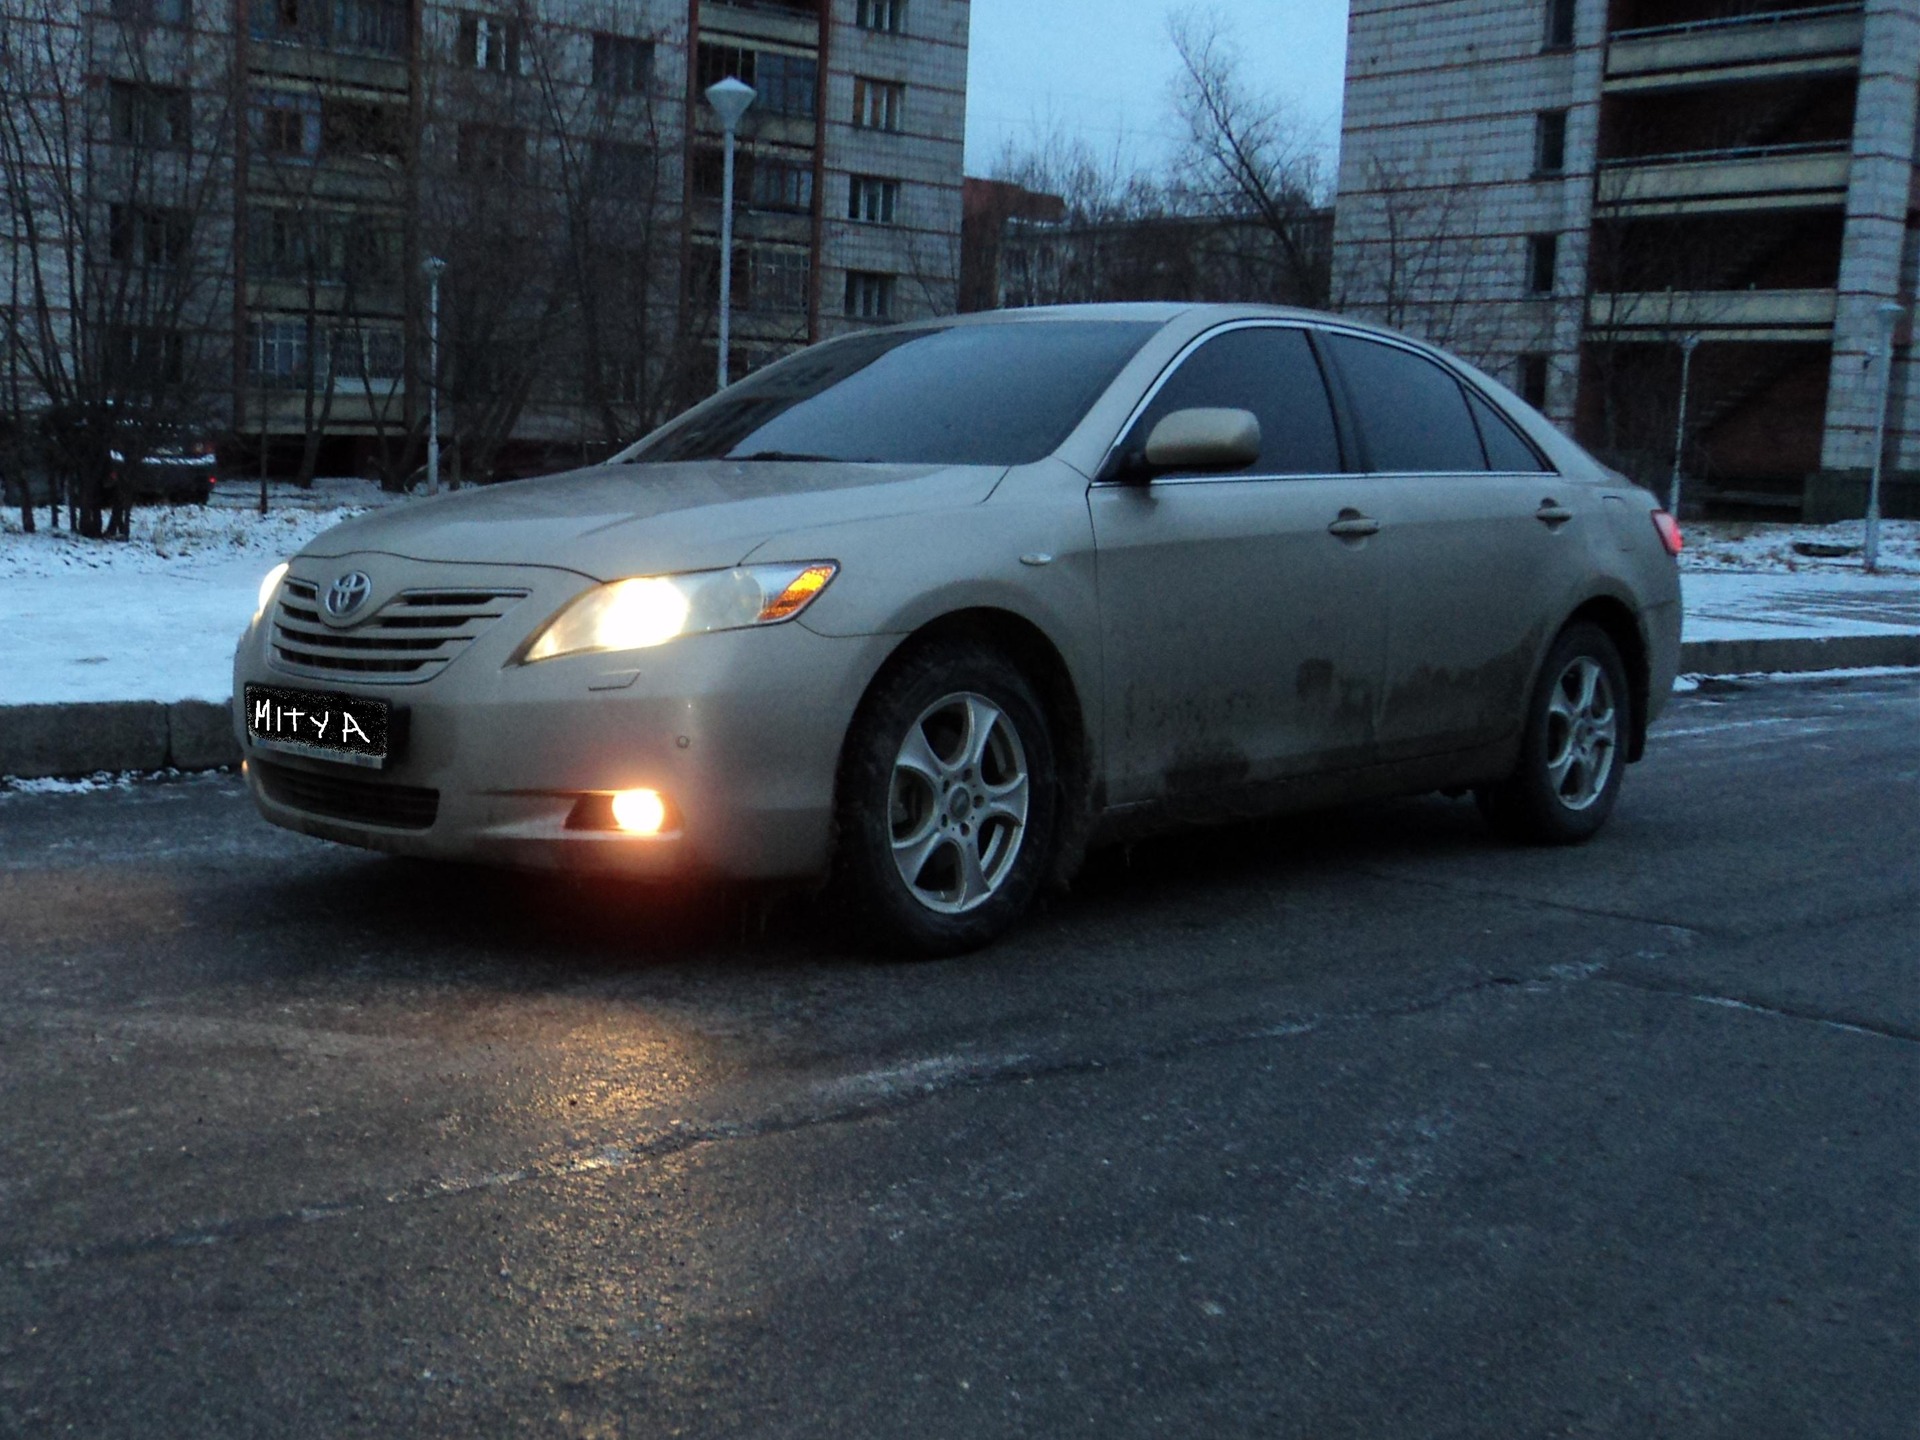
column 783, row 455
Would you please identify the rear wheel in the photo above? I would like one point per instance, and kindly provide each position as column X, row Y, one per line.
column 947, row 802
column 1573, row 751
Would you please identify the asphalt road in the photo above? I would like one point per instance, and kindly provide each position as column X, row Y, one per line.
column 1353, row 1125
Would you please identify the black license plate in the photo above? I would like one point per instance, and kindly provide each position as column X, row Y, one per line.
column 319, row 722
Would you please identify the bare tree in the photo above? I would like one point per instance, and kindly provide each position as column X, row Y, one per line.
column 114, row 166
column 1249, row 157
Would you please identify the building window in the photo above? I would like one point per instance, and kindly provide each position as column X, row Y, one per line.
column 621, row 64
column 142, row 356
column 779, row 279
column 1532, row 377
column 151, row 12
column 286, row 126
column 1550, row 142
column 372, row 355
column 380, row 26
column 783, row 84
column 872, row 199
column 157, row 117
column 787, row 84
column 877, row 103
column 489, row 42
column 149, row 235
column 869, row 295
column 722, row 62
column 277, row 353
column 887, row 15
column 781, row 185
column 492, row 150
column 1560, row 15
column 1543, row 255
column 353, row 127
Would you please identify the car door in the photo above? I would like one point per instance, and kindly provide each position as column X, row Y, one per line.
column 1243, row 641
column 1480, row 556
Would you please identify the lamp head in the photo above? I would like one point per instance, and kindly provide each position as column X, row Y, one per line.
column 432, row 267
column 730, row 97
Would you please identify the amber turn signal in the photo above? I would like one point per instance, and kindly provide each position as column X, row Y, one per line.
column 801, row 589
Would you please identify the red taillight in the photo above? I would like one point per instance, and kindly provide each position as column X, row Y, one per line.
column 1669, row 529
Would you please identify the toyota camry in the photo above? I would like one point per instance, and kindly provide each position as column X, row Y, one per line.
column 926, row 611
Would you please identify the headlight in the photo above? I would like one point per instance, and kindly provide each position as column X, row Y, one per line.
column 651, row 610
column 268, row 586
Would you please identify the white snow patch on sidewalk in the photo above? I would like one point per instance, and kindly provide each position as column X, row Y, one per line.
column 154, row 617
column 1752, row 546
column 1730, row 605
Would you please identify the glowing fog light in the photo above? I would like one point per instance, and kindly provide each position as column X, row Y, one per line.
column 640, row 812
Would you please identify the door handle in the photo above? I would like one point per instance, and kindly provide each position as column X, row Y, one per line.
column 1352, row 525
column 1550, row 514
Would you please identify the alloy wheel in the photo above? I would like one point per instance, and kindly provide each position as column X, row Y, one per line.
column 1583, row 733
column 957, row 803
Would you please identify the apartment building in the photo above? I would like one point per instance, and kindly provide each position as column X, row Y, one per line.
column 1599, row 199
column 557, row 157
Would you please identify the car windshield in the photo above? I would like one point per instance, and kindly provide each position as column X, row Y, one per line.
column 997, row 394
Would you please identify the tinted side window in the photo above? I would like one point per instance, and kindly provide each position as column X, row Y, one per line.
column 1271, row 372
column 1411, row 413
column 1506, row 449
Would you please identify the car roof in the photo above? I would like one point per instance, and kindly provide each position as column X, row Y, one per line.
column 1201, row 315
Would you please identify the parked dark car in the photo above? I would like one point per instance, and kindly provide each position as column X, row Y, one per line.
column 179, row 471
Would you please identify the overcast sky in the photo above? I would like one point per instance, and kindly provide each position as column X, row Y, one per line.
column 1102, row 69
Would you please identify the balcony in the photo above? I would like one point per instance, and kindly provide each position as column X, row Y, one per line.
column 1752, row 315
column 1817, row 40
column 1763, row 177
column 791, row 24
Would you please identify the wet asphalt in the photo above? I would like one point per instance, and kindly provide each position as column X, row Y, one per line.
column 1358, row 1124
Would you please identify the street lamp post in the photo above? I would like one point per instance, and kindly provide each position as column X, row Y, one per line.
column 1888, row 313
column 432, row 266
column 730, row 99
column 1688, row 344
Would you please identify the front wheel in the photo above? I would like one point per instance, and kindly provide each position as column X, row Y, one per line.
column 1573, row 751
column 947, row 802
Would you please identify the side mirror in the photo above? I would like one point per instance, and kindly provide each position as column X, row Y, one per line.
column 1199, row 439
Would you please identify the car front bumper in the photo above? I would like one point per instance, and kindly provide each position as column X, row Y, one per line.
column 740, row 731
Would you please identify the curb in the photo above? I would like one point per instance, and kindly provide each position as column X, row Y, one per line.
column 42, row 741
column 1798, row 654
column 38, row 741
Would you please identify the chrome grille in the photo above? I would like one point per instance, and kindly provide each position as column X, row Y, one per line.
column 409, row 639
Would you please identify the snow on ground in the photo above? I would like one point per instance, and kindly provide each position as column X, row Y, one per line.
column 156, row 617
column 1769, row 545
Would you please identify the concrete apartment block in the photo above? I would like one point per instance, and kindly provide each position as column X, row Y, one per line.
column 1564, row 190
column 371, row 133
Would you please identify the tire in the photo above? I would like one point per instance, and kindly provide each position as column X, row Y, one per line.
column 1573, row 751
column 947, row 803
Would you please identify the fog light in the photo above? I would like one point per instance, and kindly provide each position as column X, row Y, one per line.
column 639, row 812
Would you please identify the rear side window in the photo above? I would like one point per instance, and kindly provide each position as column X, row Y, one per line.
column 1506, row 449
column 1412, row 414
column 1271, row 372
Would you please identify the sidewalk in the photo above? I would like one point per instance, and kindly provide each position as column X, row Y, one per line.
column 118, row 657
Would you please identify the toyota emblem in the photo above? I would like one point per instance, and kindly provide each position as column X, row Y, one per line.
column 347, row 594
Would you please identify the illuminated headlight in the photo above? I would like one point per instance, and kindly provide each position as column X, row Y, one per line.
column 653, row 609
column 268, row 586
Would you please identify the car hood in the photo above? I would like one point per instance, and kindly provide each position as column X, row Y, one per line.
column 612, row 521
